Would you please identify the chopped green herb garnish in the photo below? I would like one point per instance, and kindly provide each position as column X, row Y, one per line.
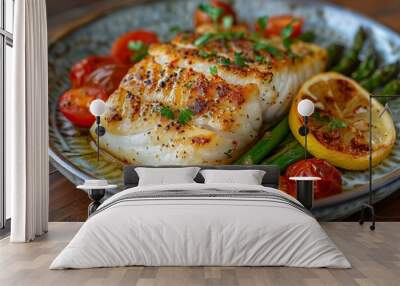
column 212, row 11
column 204, row 54
column 225, row 61
column 240, row 60
column 227, row 22
column 286, row 35
column 188, row 85
column 333, row 123
column 287, row 31
column 203, row 39
column 220, row 36
column 336, row 123
column 274, row 51
column 262, row 22
column 229, row 35
column 259, row 59
column 175, row 29
column 136, row 45
column 140, row 50
column 322, row 118
column 213, row 70
column 287, row 43
column 167, row 112
column 228, row 153
column 185, row 115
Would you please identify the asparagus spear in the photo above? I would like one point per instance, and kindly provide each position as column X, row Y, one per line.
column 335, row 52
column 350, row 59
column 392, row 88
column 381, row 77
column 288, row 155
column 263, row 147
column 367, row 66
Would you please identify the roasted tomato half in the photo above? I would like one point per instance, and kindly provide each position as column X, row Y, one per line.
column 107, row 77
column 276, row 24
column 74, row 104
column 218, row 9
column 331, row 179
column 82, row 69
column 132, row 46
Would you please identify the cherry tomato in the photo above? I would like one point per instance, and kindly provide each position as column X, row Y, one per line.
column 107, row 77
column 82, row 69
column 275, row 25
column 120, row 51
column 331, row 179
column 200, row 17
column 74, row 104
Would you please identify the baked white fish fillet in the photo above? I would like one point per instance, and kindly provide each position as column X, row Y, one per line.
column 231, row 91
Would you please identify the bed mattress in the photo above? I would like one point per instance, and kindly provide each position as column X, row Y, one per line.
column 201, row 225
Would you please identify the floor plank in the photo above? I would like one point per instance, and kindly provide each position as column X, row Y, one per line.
column 374, row 255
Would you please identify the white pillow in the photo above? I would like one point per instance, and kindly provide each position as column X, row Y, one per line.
column 166, row 176
column 248, row 177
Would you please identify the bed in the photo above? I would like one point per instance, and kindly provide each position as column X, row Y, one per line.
column 198, row 224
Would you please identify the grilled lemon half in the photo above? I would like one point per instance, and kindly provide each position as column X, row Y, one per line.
column 339, row 127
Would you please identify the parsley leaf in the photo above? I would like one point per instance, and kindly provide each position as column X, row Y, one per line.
column 262, row 23
column 287, row 43
column 322, row 118
column 203, row 39
column 212, row 11
column 227, row 22
column 287, row 31
column 139, row 48
column 333, row 123
column 213, row 70
column 188, row 85
column 135, row 45
column 203, row 54
column 225, row 61
column 240, row 60
column 274, row 51
column 336, row 123
column 286, row 35
column 185, row 115
column 206, row 55
column 167, row 112
column 259, row 59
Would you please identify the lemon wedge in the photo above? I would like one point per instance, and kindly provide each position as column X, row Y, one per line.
column 339, row 127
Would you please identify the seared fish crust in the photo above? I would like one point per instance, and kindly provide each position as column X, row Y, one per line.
column 230, row 94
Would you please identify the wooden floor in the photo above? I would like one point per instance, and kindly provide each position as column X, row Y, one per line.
column 375, row 257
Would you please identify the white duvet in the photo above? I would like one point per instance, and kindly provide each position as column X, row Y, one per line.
column 192, row 231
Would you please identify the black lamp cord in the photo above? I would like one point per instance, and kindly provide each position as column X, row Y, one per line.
column 305, row 136
column 98, row 137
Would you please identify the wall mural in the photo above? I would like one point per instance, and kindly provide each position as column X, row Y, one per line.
column 231, row 96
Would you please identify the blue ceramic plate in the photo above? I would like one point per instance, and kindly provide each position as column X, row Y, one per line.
column 71, row 149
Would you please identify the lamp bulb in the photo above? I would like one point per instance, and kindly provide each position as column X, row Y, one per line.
column 305, row 107
column 97, row 107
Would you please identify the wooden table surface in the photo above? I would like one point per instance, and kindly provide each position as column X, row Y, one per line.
column 69, row 204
